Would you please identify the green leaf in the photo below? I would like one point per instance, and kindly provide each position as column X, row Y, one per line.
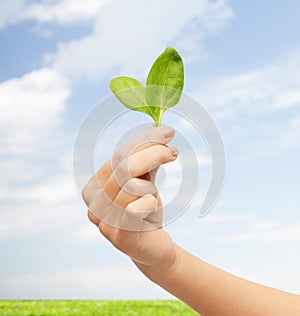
column 165, row 82
column 131, row 93
column 163, row 90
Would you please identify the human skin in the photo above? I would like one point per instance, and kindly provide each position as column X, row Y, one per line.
column 207, row 289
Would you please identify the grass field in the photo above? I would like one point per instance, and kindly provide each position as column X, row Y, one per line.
column 95, row 308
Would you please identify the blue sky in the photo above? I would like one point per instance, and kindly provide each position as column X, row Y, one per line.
column 57, row 57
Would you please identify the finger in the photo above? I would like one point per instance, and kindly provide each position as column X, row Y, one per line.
column 100, row 205
column 104, row 172
column 133, row 189
column 137, row 165
column 95, row 220
column 93, row 192
column 154, row 219
column 150, row 176
column 154, row 135
column 110, row 211
column 103, row 208
column 132, row 219
column 103, row 180
column 146, row 160
column 99, row 200
column 137, row 211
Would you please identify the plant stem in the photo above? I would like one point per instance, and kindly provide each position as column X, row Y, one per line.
column 158, row 121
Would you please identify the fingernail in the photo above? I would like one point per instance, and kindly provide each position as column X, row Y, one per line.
column 174, row 151
column 167, row 131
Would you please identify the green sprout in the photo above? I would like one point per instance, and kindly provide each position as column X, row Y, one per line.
column 163, row 87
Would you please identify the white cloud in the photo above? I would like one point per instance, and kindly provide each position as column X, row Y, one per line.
column 39, row 205
column 290, row 139
column 273, row 88
column 262, row 225
column 128, row 35
column 265, row 232
column 86, row 234
column 269, row 139
column 255, row 108
column 8, row 9
column 277, row 269
column 35, row 189
column 62, row 12
column 216, row 219
column 84, row 283
column 31, row 109
column 136, row 21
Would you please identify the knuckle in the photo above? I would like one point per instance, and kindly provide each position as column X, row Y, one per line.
column 86, row 191
column 101, row 227
column 92, row 218
column 89, row 189
column 139, row 187
column 106, row 231
column 142, row 205
column 105, row 171
column 85, row 195
column 131, row 208
column 121, row 173
column 151, row 201
column 122, row 168
column 116, row 159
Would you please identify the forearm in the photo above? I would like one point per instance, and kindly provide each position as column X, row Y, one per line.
column 214, row 292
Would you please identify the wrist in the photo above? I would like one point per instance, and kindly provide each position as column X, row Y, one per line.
column 166, row 269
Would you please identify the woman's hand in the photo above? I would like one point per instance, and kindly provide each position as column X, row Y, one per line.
column 123, row 200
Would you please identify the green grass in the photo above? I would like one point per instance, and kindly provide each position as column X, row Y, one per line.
column 95, row 308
